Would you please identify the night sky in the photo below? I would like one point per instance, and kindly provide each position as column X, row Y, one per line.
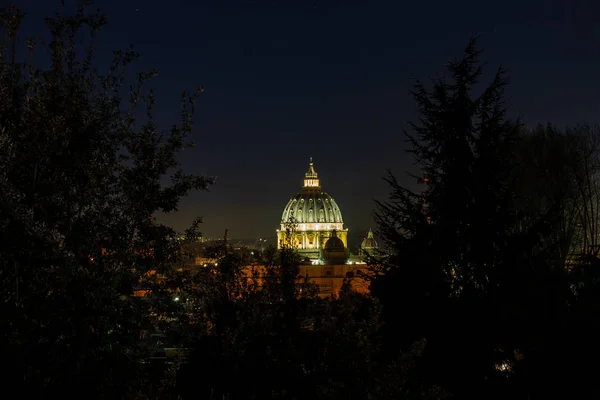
column 289, row 79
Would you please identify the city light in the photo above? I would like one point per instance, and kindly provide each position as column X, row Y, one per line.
column 503, row 367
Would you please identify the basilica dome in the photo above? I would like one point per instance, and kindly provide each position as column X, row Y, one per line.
column 312, row 208
column 310, row 217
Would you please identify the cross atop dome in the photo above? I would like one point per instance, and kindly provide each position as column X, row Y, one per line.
column 310, row 178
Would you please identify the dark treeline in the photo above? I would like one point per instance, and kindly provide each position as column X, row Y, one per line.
column 495, row 261
column 486, row 287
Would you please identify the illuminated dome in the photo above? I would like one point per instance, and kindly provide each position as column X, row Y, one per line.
column 368, row 247
column 369, row 243
column 315, row 215
column 312, row 208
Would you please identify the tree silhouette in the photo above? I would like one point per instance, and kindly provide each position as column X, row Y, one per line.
column 80, row 176
column 451, row 244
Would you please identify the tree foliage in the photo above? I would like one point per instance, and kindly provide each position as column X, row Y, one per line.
column 80, row 176
column 265, row 328
column 489, row 290
column 482, row 263
column 449, row 240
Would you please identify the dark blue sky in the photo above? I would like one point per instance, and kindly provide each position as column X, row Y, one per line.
column 290, row 79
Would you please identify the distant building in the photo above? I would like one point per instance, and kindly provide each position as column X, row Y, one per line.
column 312, row 224
column 314, row 215
column 369, row 245
column 316, row 232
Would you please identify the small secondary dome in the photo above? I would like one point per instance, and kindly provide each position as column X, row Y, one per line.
column 334, row 243
column 334, row 251
column 369, row 243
